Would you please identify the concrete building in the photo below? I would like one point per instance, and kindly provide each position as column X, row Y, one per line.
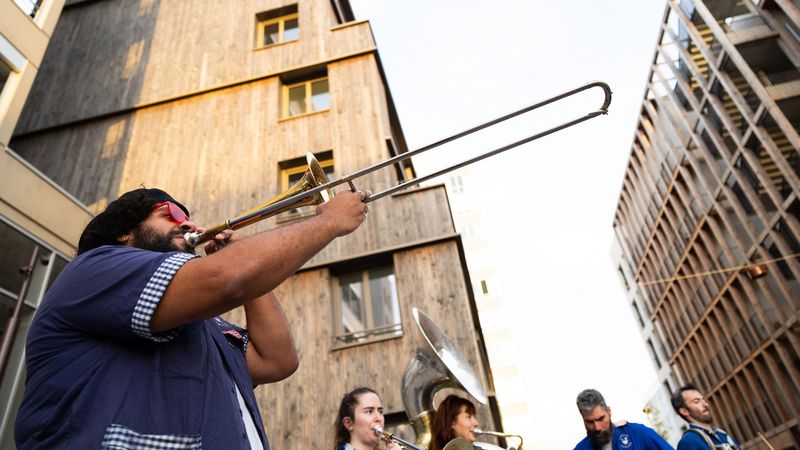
column 217, row 102
column 494, row 312
column 707, row 219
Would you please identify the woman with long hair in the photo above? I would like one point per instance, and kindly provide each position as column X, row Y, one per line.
column 360, row 412
column 455, row 418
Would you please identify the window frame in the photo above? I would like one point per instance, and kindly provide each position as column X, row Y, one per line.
column 13, row 61
column 292, row 167
column 325, row 161
column 308, row 83
column 4, row 78
column 281, row 20
column 371, row 333
column 11, row 386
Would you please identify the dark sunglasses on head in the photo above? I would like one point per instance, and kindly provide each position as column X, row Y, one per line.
column 176, row 214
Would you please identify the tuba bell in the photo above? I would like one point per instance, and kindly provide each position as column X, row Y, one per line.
column 463, row 444
column 432, row 369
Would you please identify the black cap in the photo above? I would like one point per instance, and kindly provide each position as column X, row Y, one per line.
column 121, row 216
column 157, row 196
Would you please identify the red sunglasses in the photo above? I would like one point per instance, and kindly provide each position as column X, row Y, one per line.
column 176, row 214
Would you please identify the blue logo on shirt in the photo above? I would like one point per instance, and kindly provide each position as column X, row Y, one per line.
column 624, row 441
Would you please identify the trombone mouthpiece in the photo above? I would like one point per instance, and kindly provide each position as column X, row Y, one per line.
column 488, row 433
column 378, row 430
column 191, row 238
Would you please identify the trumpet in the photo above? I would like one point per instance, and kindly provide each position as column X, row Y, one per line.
column 378, row 430
column 501, row 435
column 315, row 188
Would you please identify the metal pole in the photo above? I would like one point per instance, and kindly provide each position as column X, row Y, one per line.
column 12, row 326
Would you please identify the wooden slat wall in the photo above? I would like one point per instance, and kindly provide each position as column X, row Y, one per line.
column 169, row 50
column 300, row 411
column 219, row 154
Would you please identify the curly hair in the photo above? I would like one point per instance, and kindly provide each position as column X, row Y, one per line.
column 347, row 408
column 122, row 216
column 441, row 429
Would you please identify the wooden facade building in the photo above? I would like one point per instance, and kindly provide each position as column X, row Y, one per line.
column 217, row 102
column 37, row 217
column 709, row 214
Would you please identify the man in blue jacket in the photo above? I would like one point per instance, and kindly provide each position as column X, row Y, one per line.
column 690, row 404
column 603, row 434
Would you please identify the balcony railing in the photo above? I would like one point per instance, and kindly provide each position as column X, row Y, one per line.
column 378, row 333
column 746, row 27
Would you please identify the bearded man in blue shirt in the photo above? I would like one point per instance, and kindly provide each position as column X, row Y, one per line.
column 602, row 433
column 692, row 406
column 127, row 350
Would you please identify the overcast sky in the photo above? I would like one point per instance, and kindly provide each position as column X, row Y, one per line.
column 547, row 207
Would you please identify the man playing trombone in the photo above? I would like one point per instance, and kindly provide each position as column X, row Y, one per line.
column 127, row 350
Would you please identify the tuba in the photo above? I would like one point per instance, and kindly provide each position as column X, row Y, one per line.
column 432, row 369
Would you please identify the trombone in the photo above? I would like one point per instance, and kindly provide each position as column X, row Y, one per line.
column 315, row 188
column 501, row 435
column 379, row 431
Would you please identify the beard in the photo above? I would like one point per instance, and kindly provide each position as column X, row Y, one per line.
column 147, row 238
column 701, row 417
column 600, row 438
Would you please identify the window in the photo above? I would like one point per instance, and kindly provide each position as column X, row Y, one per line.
column 457, row 184
column 305, row 97
column 11, row 61
column 17, row 247
column 366, row 306
column 5, row 71
column 638, row 313
column 292, row 171
column 277, row 26
column 29, row 7
column 403, row 167
column 653, row 353
column 623, row 277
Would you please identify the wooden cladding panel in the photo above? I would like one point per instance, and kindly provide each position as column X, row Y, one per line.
column 219, row 153
column 100, row 61
column 299, row 412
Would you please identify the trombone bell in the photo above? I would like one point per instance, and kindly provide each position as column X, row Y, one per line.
column 313, row 177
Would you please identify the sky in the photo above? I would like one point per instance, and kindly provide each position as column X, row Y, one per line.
column 547, row 207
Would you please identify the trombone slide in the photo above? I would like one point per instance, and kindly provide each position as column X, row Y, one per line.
column 311, row 190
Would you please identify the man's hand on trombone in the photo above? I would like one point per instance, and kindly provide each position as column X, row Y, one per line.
column 345, row 211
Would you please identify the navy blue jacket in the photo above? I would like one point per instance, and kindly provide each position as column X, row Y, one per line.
column 693, row 439
column 98, row 379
